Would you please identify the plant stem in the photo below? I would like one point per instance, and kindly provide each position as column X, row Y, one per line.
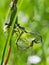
column 10, row 34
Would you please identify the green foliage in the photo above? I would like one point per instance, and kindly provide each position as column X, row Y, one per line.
column 34, row 16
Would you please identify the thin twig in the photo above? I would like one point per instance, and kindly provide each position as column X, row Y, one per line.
column 8, row 55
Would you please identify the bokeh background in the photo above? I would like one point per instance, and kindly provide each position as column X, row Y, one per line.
column 34, row 16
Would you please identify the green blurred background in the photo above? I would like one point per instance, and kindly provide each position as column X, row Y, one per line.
column 34, row 16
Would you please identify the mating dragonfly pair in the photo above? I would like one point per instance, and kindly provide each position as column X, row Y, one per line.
column 22, row 31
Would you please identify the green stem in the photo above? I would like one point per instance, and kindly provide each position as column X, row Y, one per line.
column 10, row 34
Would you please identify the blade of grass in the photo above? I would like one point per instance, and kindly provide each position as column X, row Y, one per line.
column 10, row 33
